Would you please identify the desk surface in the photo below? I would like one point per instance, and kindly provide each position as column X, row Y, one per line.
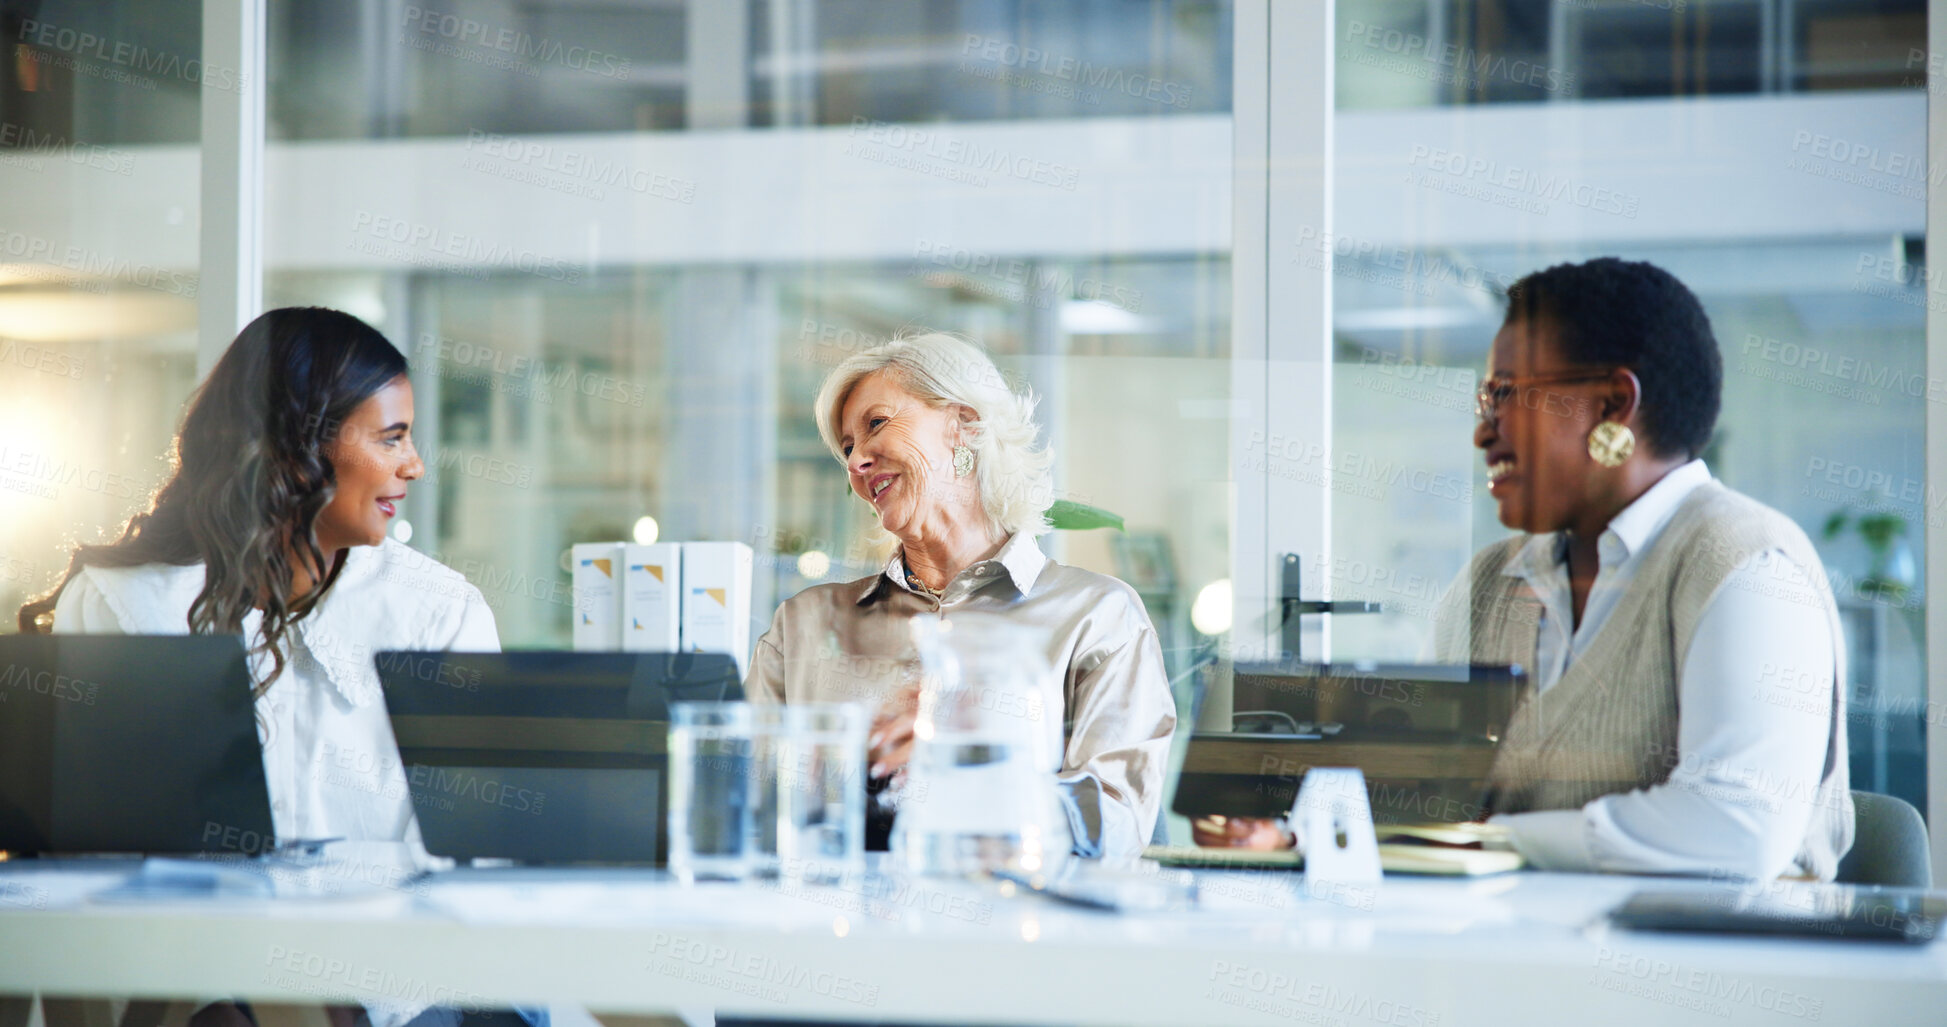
column 1524, row 948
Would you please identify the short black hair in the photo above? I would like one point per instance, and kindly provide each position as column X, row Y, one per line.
column 1629, row 313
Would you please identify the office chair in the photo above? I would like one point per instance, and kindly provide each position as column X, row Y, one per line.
column 1889, row 844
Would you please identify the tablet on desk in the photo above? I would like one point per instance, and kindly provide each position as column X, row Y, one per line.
column 1787, row 908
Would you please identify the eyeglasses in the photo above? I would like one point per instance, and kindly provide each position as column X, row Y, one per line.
column 1495, row 391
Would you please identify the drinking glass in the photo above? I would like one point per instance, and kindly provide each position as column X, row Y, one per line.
column 712, row 787
column 768, row 729
column 820, row 788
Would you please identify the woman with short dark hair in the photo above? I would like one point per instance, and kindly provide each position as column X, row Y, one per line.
column 1668, row 621
column 1685, row 711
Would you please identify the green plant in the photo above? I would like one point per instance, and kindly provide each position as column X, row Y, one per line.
column 1890, row 575
column 1879, row 530
column 1070, row 516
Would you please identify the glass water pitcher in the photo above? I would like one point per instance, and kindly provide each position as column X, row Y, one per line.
column 981, row 792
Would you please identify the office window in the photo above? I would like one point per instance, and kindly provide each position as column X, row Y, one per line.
column 622, row 242
column 1416, row 53
column 1797, row 220
column 445, row 67
column 449, row 67
column 965, row 60
column 620, row 320
column 98, row 268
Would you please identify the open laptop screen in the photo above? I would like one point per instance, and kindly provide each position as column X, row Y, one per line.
column 129, row 743
column 1424, row 735
column 544, row 757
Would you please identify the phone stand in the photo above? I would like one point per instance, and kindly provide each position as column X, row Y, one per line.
column 1332, row 818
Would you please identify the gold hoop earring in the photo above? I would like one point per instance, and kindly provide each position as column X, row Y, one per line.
column 962, row 461
column 1611, row 443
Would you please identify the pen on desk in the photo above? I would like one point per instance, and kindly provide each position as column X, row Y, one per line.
column 1133, row 897
column 305, row 848
column 1039, row 887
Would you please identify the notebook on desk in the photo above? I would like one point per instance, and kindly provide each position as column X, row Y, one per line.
column 1438, row 850
column 129, row 744
column 544, row 758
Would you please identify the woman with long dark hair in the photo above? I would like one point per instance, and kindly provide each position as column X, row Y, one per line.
column 290, row 466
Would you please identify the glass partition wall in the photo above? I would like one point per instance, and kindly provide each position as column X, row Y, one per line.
column 99, row 215
column 1771, row 155
column 623, row 242
column 656, row 226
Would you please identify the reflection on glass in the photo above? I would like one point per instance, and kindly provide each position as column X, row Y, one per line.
column 1423, row 735
column 98, row 286
column 1820, row 320
column 1412, row 53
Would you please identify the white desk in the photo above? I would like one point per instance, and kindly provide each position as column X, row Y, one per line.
column 1513, row 950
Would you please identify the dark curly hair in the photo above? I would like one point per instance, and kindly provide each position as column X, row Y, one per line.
column 251, row 475
column 1628, row 313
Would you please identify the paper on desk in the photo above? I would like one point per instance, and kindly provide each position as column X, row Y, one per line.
column 350, row 870
column 55, row 887
column 258, row 880
column 1493, row 837
column 1446, row 861
column 164, row 880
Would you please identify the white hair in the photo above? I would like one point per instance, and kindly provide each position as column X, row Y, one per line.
column 1010, row 468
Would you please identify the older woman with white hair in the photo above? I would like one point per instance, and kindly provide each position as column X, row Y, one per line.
column 945, row 452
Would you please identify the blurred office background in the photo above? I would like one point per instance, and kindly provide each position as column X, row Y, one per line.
column 622, row 241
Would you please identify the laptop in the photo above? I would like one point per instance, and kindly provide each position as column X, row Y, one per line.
column 129, row 744
column 1424, row 735
column 544, row 758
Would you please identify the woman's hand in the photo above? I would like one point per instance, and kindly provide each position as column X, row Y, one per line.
column 1220, row 832
column 890, row 742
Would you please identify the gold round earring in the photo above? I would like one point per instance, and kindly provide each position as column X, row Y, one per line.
column 1611, row 443
column 962, row 461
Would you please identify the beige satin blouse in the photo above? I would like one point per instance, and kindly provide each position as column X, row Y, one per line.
column 851, row 642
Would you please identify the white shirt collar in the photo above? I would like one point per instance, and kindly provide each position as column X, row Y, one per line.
column 1019, row 558
column 338, row 635
column 1631, row 531
column 1641, row 522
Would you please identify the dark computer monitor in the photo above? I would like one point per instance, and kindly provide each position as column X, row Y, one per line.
column 544, row 757
column 129, row 744
column 1424, row 735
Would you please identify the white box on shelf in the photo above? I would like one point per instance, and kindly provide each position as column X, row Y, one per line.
column 716, row 599
column 598, row 602
column 652, row 598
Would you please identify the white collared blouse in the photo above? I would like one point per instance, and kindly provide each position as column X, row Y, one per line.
column 329, row 757
column 1747, row 735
